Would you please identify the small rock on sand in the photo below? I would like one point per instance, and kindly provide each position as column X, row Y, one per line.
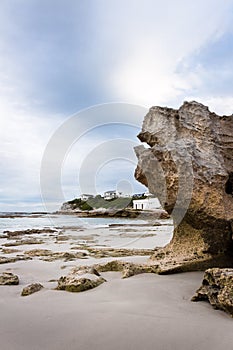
column 80, row 280
column 8, row 278
column 32, row 288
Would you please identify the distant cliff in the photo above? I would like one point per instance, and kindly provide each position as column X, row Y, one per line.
column 99, row 207
column 97, row 202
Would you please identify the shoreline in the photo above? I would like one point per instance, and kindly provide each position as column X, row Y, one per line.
column 98, row 213
column 118, row 213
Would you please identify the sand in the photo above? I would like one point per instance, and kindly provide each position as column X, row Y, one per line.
column 143, row 312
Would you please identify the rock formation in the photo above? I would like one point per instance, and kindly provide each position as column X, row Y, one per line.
column 217, row 288
column 8, row 278
column 31, row 288
column 113, row 213
column 189, row 167
column 80, row 279
column 127, row 269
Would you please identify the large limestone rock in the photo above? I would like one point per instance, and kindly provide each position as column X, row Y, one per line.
column 189, row 167
column 217, row 288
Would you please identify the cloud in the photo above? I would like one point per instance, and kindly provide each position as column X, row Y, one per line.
column 45, row 54
column 57, row 60
column 150, row 41
column 85, row 143
column 222, row 105
column 23, row 135
column 94, row 164
column 210, row 71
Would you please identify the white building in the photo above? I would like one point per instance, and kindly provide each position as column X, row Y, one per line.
column 110, row 195
column 123, row 195
column 115, row 194
column 146, row 204
column 85, row 197
column 148, row 194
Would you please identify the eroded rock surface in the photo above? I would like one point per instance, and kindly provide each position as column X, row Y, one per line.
column 23, row 242
column 49, row 255
column 8, row 278
column 6, row 260
column 189, row 167
column 32, row 288
column 114, row 252
column 121, row 213
column 11, row 234
column 217, row 288
column 80, row 279
column 127, row 268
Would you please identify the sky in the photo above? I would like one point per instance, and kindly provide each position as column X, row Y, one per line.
column 67, row 66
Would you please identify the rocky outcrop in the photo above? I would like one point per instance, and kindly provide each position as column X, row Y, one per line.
column 49, row 255
column 127, row 269
column 19, row 242
column 12, row 234
column 117, row 213
column 7, row 260
column 99, row 253
column 32, row 288
column 80, row 279
column 217, row 288
column 189, row 167
column 8, row 278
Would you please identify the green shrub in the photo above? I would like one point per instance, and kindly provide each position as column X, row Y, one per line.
column 99, row 202
column 85, row 206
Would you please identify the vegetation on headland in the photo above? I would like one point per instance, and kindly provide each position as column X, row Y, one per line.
column 98, row 202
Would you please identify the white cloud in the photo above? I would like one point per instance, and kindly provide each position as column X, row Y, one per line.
column 24, row 134
column 149, row 39
column 222, row 105
column 100, row 159
column 136, row 47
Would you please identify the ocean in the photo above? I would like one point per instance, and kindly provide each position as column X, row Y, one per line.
column 111, row 232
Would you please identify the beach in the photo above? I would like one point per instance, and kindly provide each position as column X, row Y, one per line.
column 146, row 311
column 116, row 178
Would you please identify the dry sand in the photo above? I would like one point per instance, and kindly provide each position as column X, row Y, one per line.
column 143, row 312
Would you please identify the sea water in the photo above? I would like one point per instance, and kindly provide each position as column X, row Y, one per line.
column 133, row 233
column 30, row 221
